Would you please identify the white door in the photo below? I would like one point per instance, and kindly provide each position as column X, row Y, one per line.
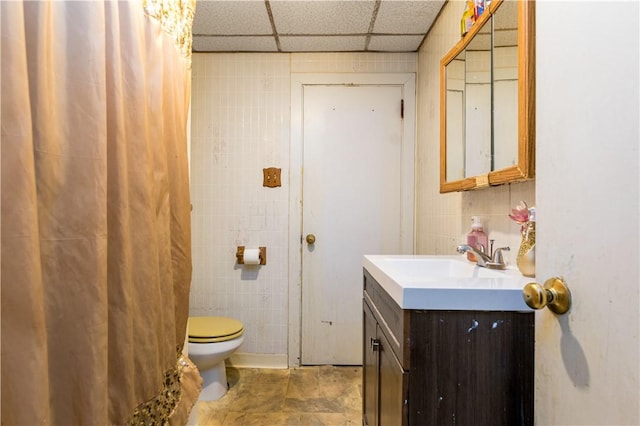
column 587, row 195
column 351, row 197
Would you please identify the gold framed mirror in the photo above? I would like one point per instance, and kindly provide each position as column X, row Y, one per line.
column 487, row 101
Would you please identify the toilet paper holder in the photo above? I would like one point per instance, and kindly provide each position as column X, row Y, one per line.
column 262, row 255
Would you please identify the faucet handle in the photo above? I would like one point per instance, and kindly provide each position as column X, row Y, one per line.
column 497, row 255
column 497, row 260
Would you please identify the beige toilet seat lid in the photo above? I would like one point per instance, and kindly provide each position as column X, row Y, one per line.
column 213, row 329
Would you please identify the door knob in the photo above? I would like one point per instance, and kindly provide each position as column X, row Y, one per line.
column 311, row 238
column 555, row 295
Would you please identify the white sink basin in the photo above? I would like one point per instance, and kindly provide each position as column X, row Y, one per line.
column 447, row 283
column 432, row 267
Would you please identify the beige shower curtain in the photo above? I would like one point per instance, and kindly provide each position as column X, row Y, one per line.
column 96, row 262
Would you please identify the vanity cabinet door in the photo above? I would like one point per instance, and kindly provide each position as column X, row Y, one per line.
column 370, row 377
column 384, row 381
column 393, row 407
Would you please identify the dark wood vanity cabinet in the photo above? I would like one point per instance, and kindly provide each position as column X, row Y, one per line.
column 428, row 367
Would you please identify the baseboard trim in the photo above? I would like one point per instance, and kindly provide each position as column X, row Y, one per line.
column 249, row 360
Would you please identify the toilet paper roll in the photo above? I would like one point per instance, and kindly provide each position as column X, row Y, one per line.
column 251, row 256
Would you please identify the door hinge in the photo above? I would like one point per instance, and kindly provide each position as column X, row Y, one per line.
column 402, row 108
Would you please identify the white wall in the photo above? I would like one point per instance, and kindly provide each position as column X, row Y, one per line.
column 240, row 125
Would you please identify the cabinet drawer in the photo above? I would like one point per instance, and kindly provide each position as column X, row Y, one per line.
column 393, row 320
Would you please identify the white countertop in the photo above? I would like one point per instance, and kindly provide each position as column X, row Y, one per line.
column 447, row 283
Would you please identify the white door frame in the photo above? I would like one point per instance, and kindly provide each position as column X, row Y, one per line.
column 298, row 81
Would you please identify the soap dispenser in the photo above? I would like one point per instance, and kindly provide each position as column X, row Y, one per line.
column 476, row 238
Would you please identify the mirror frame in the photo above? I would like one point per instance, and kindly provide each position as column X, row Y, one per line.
column 525, row 169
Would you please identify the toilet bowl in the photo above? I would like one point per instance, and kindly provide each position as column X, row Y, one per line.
column 211, row 341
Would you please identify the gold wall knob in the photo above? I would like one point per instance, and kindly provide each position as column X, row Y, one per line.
column 311, row 238
column 555, row 295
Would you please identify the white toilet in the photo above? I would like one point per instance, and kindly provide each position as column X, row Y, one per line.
column 211, row 341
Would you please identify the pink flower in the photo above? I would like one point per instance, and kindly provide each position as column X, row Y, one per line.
column 520, row 214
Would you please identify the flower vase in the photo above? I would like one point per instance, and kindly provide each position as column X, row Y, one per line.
column 526, row 259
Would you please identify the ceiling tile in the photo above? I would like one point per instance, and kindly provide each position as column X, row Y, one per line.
column 406, row 17
column 302, row 25
column 323, row 44
column 224, row 17
column 395, row 43
column 322, row 16
column 234, row 44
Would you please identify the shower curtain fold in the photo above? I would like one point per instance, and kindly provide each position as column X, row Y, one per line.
column 96, row 262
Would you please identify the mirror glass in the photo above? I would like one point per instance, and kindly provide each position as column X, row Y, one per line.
column 477, row 111
column 487, row 101
column 505, row 86
column 468, row 103
column 455, row 122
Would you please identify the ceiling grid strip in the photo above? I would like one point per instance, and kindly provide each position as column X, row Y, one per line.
column 273, row 25
column 374, row 15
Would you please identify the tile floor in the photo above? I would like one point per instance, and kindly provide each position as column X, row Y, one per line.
column 309, row 396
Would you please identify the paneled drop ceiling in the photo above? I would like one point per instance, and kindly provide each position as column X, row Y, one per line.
column 312, row 25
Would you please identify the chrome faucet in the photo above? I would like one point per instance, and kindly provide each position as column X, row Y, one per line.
column 495, row 260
